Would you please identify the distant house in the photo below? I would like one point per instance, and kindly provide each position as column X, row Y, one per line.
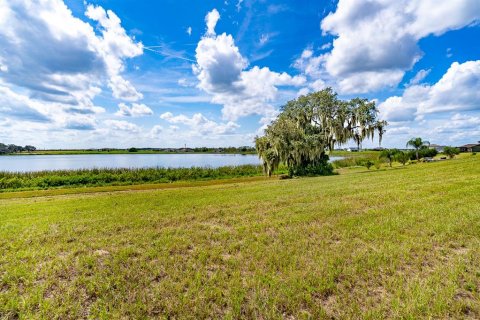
column 352, row 149
column 437, row 147
column 472, row 147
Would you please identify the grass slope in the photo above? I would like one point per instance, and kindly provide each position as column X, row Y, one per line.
column 399, row 243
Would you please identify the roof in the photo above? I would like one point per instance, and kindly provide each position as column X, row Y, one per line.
column 471, row 145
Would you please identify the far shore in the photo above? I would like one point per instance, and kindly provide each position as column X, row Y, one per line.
column 120, row 151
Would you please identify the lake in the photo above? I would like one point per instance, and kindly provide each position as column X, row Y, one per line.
column 29, row 163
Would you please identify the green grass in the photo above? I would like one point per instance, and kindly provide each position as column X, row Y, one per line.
column 391, row 243
column 10, row 181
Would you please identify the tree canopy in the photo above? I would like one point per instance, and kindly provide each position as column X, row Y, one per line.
column 311, row 125
column 11, row 148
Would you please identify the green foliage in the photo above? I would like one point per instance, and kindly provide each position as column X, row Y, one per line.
column 402, row 157
column 319, row 167
column 417, row 144
column 368, row 163
column 389, row 155
column 133, row 150
column 423, row 152
column 310, row 126
column 355, row 159
column 11, row 148
column 451, row 152
column 102, row 177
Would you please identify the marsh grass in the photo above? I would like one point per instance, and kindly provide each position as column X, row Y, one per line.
column 104, row 177
column 393, row 243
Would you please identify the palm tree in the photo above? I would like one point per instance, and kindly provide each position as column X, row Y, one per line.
column 417, row 144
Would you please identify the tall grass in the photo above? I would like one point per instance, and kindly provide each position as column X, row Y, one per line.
column 355, row 159
column 102, row 177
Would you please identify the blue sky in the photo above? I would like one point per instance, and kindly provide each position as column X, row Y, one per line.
column 214, row 73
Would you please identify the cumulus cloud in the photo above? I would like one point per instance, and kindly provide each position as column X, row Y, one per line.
column 53, row 64
column 156, row 131
column 120, row 125
column 81, row 123
column 222, row 72
column 211, row 20
column 136, row 110
column 457, row 90
column 377, row 41
column 198, row 123
column 19, row 106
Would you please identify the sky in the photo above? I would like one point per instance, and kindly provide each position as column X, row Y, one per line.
column 93, row 74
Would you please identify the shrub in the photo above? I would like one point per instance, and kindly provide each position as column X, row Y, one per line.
column 451, row 152
column 402, row 157
column 366, row 163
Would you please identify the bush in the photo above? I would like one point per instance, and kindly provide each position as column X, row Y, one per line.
column 402, row 157
column 424, row 152
column 366, row 163
column 451, row 152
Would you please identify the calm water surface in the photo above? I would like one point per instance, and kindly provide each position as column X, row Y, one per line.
column 29, row 163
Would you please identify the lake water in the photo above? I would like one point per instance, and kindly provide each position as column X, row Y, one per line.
column 29, row 163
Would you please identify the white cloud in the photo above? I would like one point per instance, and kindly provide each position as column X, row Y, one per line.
column 457, row 90
column 419, row 76
column 222, row 72
column 136, row 110
column 81, row 123
column 239, row 5
column 198, row 123
column 115, row 45
column 120, row 125
column 56, row 63
column 156, row 131
column 189, row 31
column 376, row 41
column 211, row 20
column 264, row 39
column 185, row 82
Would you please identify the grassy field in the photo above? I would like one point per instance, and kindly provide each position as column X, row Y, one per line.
column 397, row 243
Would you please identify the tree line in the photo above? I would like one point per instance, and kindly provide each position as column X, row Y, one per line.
column 12, row 148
